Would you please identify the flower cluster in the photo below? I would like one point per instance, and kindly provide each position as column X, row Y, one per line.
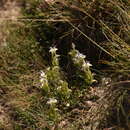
column 53, row 83
column 54, row 74
column 84, row 66
column 44, row 81
column 53, row 50
column 59, row 90
column 55, row 61
column 52, row 101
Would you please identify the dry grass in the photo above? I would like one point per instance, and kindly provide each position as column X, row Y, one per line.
column 95, row 29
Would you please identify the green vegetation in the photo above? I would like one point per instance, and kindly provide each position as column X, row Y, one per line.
column 59, row 63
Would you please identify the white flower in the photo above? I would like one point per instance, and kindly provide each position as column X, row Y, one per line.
column 53, row 49
column 88, row 64
column 79, row 55
column 43, row 79
column 59, row 88
column 82, row 56
column 43, row 74
column 48, row 68
column 67, row 104
column 52, row 101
